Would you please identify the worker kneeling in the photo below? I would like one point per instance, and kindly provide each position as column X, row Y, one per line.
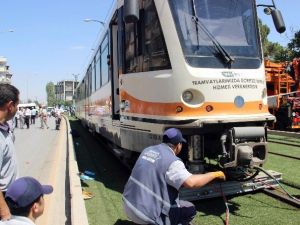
column 151, row 194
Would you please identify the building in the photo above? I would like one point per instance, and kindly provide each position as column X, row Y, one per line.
column 5, row 75
column 64, row 90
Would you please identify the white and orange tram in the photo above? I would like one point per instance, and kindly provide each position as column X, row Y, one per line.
column 196, row 65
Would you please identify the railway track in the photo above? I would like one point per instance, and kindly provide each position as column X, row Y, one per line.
column 284, row 133
column 289, row 139
column 275, row 193
column 286, row 156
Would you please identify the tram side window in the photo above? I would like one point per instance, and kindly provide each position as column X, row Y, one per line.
column 97, row 70
column 93, row 76
column 156, row 55
column 145, row 48
column 104, row 65
column 86, row 86
column 89, row 91
column 130, row 48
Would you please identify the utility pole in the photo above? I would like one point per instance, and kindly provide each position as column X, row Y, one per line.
column 74, row 86
column 75, row 77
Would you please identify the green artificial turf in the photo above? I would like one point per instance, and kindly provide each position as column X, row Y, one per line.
column 105, row 208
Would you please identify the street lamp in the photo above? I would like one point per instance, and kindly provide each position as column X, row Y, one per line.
column 92, row 20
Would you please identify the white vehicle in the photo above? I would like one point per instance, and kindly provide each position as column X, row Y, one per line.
column 27, row 105
column 196, row 65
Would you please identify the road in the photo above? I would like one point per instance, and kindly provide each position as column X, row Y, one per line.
column 41, row 153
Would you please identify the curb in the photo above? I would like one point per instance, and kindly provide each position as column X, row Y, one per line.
column 78, row 211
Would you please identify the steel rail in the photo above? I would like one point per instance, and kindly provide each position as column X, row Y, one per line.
column 282, row 197
column 286, row 156
column 284, row 143
column 284, row 133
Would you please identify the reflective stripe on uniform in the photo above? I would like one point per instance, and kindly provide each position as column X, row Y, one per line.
column 137, row 212
column 167, row 204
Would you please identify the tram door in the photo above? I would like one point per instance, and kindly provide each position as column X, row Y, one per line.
column 114, row 68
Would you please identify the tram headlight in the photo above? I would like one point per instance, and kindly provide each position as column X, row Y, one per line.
column 187, row 96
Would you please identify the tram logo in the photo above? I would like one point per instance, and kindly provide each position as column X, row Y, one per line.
column 230, row 74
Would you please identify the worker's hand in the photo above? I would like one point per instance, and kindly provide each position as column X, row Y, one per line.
column 4, row 212
column 219, row 175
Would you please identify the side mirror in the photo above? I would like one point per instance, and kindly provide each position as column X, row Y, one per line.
column 278, row 20
column 131, row 11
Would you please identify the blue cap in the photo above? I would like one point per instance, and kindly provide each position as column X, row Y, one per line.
column 173, row 136
column 24, row 191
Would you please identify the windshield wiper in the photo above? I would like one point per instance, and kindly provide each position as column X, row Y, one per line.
column 218, row 47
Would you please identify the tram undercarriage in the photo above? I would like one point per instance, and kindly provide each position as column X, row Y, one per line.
column 240, row 152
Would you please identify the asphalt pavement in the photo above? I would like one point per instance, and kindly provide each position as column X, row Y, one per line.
column 41, row 153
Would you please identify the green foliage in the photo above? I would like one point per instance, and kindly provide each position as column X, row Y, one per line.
column 273, row 51
column 62, row 102
column 50, row 89
column 264, row 32
column 294, row 45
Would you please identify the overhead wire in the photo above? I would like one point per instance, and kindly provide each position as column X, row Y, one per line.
column 95, row 43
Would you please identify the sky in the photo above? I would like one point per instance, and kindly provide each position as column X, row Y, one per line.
column 51, row 42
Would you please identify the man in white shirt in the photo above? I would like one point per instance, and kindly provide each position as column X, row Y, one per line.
column 27, row 117
column 151, row 195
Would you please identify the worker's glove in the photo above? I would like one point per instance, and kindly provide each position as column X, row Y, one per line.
column 219, row 175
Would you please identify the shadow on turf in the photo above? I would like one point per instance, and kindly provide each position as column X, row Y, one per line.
column 216, row 207
column 124, row 222
column 91, row 155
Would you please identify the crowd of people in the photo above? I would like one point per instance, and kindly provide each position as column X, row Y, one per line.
column 21, row 199
column 26, row 116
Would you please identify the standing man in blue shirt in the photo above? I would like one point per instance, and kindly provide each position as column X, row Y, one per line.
column 9, row 100
column 151, row 194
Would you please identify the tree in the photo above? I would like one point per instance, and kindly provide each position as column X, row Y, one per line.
column 50, row 89
column 264, row 32
column 294, row 45
column 271, row 50
column 277, row 52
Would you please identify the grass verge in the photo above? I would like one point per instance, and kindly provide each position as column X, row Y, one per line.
column 105, row 208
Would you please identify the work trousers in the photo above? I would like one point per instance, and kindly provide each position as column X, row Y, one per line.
column 32, row 119
column 44, row 122
column 21, row 122
column 183, row 214
column 27, row 118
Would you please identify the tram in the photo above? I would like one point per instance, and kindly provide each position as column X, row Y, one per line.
column 195, row 65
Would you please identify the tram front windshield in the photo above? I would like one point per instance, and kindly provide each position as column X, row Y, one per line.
column 210, row 30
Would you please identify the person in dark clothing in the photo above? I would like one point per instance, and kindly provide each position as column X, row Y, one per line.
column 151, row 194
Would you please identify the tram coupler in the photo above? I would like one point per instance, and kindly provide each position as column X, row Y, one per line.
column 218, row 188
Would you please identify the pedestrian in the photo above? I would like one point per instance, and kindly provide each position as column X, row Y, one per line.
column 17, row 116
column 33, row 115
column 43, row 117
column 25, row 199
column 27, row 117
column 58, row 115
column 151, row 194
column 9, row 100
column 22, row 117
